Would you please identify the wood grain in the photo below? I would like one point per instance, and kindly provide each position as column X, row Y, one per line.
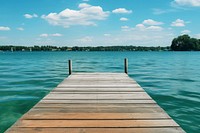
column 96, row 103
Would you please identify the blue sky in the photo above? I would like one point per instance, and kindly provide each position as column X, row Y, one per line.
column 97, row 22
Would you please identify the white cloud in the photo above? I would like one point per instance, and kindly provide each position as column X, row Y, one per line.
column 185, row 32
column 158, row 11
column 29, row 16
column 84, row 5
column 2, row 28
column 56, row 35
column 149, row 25
column 152, row 22
column 133, row 37
column 122, row 11
column 147, row 38
column 123, row 19
column 178, row 23
column 87, row 15
column 154, row 28
column 20, row 28
column 48, row 35
column 146, row 25
column 126, row 28
column 45, row 41
column 194, row 3
column 142, row 27
column 107, row 35
column 44, row 35
column 87, row 40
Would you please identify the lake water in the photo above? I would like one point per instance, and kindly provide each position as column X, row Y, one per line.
column 172, row 79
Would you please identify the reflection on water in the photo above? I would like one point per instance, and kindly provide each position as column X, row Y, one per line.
column 171, row 78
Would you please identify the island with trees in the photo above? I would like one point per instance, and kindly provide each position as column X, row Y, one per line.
column 185, row 43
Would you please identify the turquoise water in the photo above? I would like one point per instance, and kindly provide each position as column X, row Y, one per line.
column 171, row 78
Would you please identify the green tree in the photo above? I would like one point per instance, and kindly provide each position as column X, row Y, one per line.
column 185, row 43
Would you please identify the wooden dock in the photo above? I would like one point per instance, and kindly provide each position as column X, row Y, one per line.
column 96, row 103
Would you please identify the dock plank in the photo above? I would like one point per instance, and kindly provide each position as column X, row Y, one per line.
column 97, row 123
column 50, row 105
column 99, row 130
column 96, row 89
column 95, row 116
column 96, row 102
column 101, row 110
column 99, row 96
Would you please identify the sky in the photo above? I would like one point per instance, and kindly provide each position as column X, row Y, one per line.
column 97, row 22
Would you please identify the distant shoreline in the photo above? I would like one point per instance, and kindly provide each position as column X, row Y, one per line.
column 76, row 48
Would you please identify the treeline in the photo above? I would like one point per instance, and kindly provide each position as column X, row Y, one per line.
column 32, row 48
column 76, row 48
column 185, row 43
column 120, row 48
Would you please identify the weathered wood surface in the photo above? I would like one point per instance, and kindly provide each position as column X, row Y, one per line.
column 96, row 103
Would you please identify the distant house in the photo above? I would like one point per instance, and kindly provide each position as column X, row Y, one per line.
column 69, row 49
column 54, row 50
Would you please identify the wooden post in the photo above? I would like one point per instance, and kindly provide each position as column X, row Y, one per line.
column 70, row 66
column 126, row 65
